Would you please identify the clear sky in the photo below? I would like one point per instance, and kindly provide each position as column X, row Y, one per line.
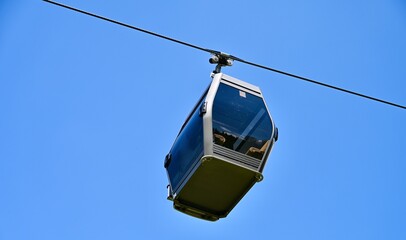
column 89, row 109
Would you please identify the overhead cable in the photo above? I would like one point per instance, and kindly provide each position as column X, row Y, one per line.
column 230, row 56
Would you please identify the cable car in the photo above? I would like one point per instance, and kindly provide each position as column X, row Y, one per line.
column 221, row 149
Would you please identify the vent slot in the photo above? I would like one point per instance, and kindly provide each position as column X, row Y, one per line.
column 239, row 158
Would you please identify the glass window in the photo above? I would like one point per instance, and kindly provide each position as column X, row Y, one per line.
column 188, row 148
column 241, row 121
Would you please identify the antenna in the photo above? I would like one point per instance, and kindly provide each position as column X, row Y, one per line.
column 223, row 59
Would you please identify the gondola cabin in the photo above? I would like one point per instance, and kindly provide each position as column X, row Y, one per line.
column 221, row 149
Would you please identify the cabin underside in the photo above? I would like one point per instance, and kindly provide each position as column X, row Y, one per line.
column 215, row 188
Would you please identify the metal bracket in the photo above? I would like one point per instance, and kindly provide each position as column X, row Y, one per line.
column 221, row 59
column 170, row 196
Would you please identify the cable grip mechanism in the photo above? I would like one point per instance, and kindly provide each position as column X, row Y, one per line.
column 221, row 59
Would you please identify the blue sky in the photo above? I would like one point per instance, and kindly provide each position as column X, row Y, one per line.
column 89, row 109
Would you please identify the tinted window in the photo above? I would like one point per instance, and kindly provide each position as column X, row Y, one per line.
column 241, row 121
column 187, row 149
